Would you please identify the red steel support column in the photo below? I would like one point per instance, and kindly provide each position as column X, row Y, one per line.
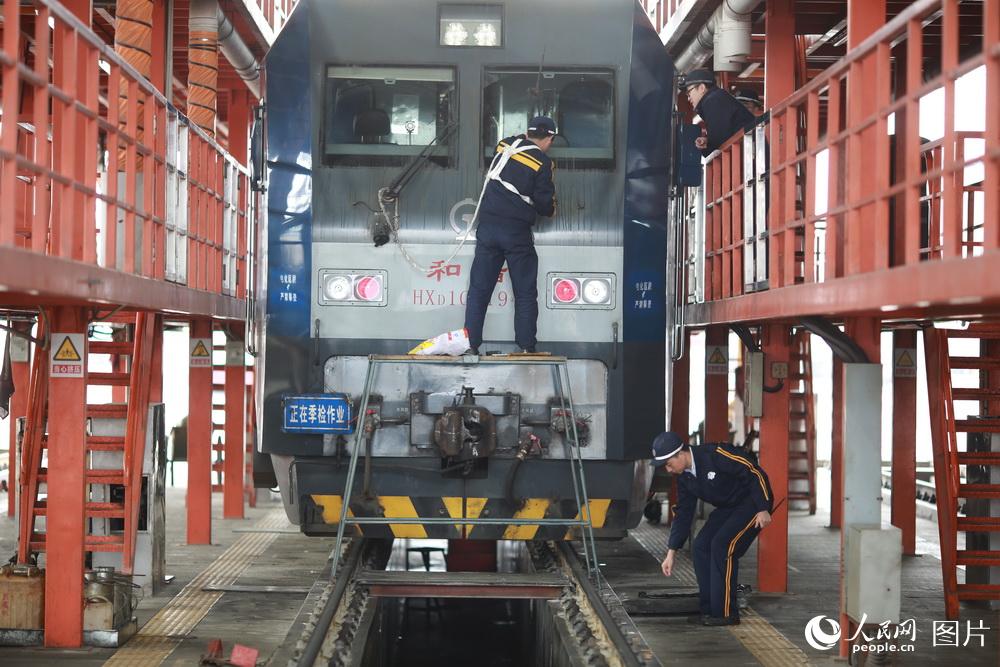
column 837, row 447
column 867, row 333
column 199, row 491
column 158, row 65
column 83, row 9
column 772, row 555
column 716, row 385
column 681, row 392
column 240, row 112
column 20, row 369
column 904, row 436
column 232, row 476
column 779, row 53
column 779, row 83
column 67, row 463
column 156, row 369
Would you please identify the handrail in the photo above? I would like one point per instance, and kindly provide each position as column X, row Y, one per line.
column 834, row 193
column 134, row 188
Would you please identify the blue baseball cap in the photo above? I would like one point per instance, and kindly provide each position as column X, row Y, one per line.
column 542, row 124
column 665, row 445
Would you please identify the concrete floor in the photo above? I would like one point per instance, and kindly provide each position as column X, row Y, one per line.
column 259, row 620
column 772, row 632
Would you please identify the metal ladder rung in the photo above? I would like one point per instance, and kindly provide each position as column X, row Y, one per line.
column 564, row 394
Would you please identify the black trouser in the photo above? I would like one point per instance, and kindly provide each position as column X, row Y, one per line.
column 723, row 539
column 498, row 241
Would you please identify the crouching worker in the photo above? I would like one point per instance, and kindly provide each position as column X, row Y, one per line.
column 519, row 188
column 741, row 493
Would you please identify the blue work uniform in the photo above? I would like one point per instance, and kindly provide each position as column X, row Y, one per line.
column 739, row 489
column 521, row 191
column 723, row 117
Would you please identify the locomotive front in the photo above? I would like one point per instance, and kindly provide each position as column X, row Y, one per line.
column 379, row 129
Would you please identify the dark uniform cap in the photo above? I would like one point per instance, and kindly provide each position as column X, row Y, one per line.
column 665, row 445
column 747, row 95
column 542, row 124
column 697, row 76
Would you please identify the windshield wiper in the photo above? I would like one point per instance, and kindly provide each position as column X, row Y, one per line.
column 394, row 189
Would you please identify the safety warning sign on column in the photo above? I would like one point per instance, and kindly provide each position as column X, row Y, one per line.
column 905, row 362
column 201, row 353
column 66, row 356
column 717, row 360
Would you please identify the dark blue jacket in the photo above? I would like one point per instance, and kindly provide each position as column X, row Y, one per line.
column 723, row 117
column 531, row 173
column 725, row 478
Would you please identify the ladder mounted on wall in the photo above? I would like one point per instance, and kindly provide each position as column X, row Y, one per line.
column 561, row 379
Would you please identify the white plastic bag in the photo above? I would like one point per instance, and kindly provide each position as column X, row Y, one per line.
column 452, row 343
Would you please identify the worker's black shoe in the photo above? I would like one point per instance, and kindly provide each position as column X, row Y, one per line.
column 713, row 621
column 528, row 350
column 473, row 351
column 698, row 619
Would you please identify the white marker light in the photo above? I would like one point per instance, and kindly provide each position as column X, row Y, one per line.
column 338, row 288
column 596, row 291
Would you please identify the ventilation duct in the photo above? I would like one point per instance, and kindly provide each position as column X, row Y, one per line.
column 726, row 34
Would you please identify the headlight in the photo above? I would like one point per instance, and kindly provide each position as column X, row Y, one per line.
column 353, row 287
column 597, row 291
column 338, row 288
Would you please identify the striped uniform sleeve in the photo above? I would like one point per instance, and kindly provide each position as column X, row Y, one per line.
column 729, row 461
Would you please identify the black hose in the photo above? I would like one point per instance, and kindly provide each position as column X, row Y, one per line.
column 315, row 643
column 508, row 486
column 842, row 345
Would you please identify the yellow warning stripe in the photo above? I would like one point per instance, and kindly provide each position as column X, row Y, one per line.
column 534, row 508
column 454, row 506
column 401, row 507
column 597, row 510
column 332, row 506
column 770, row 647
column 458, row 508
column 168, row 628
column 760, row 478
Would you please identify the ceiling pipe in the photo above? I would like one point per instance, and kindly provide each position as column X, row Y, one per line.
column 726, row 34
column 238, row 54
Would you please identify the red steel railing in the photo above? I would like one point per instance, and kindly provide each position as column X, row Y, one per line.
column 843, row 195
column 143, row 192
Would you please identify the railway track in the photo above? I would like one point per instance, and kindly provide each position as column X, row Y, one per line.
column 576, row 623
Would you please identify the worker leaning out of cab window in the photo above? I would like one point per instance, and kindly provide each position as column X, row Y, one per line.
column 519, row 188
column 723, row 476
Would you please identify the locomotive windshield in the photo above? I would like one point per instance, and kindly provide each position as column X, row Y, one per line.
column 581, row 102
column 383, row 114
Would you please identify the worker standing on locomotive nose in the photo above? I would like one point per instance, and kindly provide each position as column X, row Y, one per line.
column 519, row 188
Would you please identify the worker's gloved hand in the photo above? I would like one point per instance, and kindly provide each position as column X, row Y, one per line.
column 761, row 519
column 668, row 563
